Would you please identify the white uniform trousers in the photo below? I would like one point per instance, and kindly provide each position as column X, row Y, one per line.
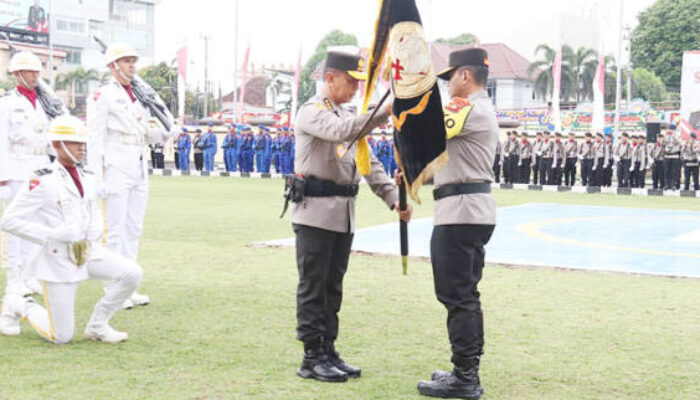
column 56, row 322
column 125, row 208
column 16, row 252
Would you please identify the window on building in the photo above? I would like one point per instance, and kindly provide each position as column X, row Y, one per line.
column 70, row 26
column 73, row 54
column 491, row 89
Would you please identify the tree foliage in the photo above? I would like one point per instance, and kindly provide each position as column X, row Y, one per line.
column 665, row 31
column 577, row 72
column 463, row 39
column 307, row 86
column 646, row 85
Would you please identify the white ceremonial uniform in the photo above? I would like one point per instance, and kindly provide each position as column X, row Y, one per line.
column 119, row 131
column 23, row 149
column 51, row 212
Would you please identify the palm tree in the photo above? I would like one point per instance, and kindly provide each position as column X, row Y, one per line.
column 541, row 72
column 76, row 80
column 278, row 85
column 582, row 65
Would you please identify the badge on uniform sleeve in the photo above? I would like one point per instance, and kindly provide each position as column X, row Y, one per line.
column 456, row 113
column 96, row 95
column 33, row 183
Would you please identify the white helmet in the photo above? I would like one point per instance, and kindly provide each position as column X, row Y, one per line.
column 25, row 61
column 115, row 51
column 67, row 128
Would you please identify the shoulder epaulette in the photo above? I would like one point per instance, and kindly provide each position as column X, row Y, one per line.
column 88, row 172
column 43, row 171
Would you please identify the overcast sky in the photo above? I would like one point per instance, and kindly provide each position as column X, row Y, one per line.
column 275, row 30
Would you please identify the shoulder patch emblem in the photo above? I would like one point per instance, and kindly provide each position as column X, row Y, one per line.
column 33, row 183
column 96, row 95
column 42, row 172
column 456, row 113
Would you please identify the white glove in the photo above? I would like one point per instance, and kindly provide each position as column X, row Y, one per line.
column 68, row 233
column 5, row 193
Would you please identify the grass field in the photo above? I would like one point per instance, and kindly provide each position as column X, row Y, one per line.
column 222, row 321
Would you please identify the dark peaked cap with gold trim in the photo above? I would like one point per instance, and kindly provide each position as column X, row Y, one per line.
column 353, row 65
column 468, row 57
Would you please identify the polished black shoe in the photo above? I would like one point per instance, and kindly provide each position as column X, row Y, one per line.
column 439, row 374
column 334, row 357
column 316, row 365
column 461, row 384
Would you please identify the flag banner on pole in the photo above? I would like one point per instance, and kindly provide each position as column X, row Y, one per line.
column 245, row 78
column 556, row 77
column 598, row 123
column 419, row 121
column 295, row 90
column 181, row 82
column 690, row 95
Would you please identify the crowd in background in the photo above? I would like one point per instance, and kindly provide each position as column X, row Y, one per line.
column 554, row 161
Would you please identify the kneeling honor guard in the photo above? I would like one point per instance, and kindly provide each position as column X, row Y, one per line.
column 58, row 210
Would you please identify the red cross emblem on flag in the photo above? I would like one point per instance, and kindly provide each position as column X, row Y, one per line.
column 398, row 68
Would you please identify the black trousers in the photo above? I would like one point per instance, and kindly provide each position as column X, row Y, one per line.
column 586, row 171
column 570, row 172
column 457, row 254
column 657, row 175
column 691, row 171
column 597, row 174
column 198, row 161
column 322, row 259
column 623, row 173
column 512, row 169
column 497, row 169
column 546, row 171
column 672, row 167
column 607, row 175
column 177, row 160
column 536, row 169
column 557, row 172
column 160, row 160
column 524, row 175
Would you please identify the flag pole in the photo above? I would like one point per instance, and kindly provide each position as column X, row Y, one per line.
column 403, row 227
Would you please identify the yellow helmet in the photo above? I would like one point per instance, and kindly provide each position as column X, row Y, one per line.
column 115, row 51
column 67, row 128
column 25, row 61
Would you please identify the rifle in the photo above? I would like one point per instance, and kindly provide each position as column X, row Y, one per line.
column 50, row 102
column 145, row 94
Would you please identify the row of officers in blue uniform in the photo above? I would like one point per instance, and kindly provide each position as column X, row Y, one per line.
column 246, row 151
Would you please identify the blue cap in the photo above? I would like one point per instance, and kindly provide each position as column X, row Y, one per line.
column 184, row 129
column 211, row 124
column 692, row 135
column 672, row 127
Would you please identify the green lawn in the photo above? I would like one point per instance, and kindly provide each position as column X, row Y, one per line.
column 222, row 321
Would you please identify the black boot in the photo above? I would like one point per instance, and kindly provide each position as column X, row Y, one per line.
column 334, row 357
column 316, row 365
column 462, row 383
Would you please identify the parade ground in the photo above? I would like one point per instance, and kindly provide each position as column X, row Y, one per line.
column 584, row 296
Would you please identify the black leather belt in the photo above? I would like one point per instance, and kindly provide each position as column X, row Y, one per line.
column 325, row 188
column 456, row 189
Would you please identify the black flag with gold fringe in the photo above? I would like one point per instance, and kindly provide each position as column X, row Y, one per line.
column 419, row 125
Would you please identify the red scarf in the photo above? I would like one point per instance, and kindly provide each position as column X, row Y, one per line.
column 129, row 92
column 73, row 171
column 30, row 94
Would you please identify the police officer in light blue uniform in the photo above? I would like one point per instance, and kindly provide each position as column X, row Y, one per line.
column 262, row 149
column 184, row 146
column 228, row 145
column 209, row 144
column 383, row 150
column 247, row 151
column 276, row 151
column 285, row 152
column 392, row 159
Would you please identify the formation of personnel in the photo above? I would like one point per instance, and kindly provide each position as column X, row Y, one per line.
column 75, row 218
column 554, row 161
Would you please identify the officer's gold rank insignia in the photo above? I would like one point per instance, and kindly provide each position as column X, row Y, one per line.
column 340, row 150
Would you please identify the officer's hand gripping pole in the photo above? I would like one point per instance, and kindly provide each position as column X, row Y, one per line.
column 403, row 227
column 362, row 132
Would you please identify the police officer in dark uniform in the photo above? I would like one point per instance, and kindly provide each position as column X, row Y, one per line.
column 323, row 211
column 198, row 150
column 465, row 217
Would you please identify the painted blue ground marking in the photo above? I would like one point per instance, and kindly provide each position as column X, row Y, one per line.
column 658, row 242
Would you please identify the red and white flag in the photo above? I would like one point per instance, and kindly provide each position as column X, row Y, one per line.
column 556, row 77
column 598, row 123
column 295, row 90
column 239, row 113
column 181, row 82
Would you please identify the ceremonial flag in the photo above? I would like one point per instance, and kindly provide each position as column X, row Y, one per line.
column 556, row 77
column 245, row 78
column 181, row 82
column 598, row 123
column 419, row 122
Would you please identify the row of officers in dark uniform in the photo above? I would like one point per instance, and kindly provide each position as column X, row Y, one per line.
column 553, row 161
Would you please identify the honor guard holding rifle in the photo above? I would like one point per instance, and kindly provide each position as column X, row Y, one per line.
column 465, row 218
column 323, row 211
column 120, row 125
column 23, row 149
column 57, row 209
